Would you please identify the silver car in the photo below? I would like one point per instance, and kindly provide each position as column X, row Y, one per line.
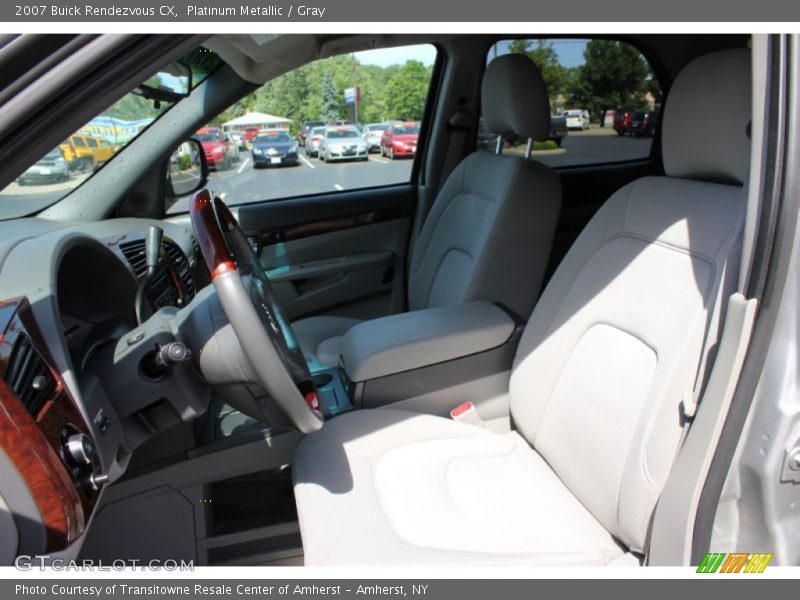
column 313, row 140
column 51, row 168
column 342, row 143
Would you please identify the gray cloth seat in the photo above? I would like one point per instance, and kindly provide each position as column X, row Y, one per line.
column 490, row 230
column 612, row 347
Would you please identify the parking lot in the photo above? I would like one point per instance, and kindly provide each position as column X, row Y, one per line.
column 244, row 184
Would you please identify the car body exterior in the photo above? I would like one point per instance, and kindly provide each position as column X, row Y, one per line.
column 313, row 138
column 274, row 147
column 220, row 151
column 250, row 133
column 82, row 151
column 238, row 137
column 342, row 143
column 558, row 128
column 400, row 140
column 643, row 123
column 306, row 128
column 51, row 168
column 373, row 132
column 576, row 118
column 622, row 120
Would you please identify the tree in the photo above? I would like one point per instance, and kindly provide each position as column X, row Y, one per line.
column 545, row 57
column 614, row 75
column 329, row 109
column 405, row 93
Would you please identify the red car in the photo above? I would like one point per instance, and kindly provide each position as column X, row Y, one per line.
column 250, row 133
column 400, row 139
column 217, row 148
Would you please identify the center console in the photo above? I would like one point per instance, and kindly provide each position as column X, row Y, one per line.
column 428, row 360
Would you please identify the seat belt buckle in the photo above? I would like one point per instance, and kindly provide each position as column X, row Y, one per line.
column 689, row 405
column 466, row 413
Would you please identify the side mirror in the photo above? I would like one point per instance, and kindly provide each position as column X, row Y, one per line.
column 187, row 170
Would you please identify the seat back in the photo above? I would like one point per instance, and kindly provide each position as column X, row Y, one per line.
column 617, row 338
column 490, row 230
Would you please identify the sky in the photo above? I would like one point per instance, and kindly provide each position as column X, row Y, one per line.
column 570, row 53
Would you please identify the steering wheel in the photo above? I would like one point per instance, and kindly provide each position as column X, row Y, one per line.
column 246, row 296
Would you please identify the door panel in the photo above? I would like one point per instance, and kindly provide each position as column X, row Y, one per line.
column 341, row 253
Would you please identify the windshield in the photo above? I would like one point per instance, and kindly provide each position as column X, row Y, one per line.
column 333, row 134
column 277, row 137
column 406, row 129
column 207, row 137
column 93, row 145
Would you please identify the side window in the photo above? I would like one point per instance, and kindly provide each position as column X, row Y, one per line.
column 78, row 141
column 92, row 142
column 322, row 128
column 605, row 101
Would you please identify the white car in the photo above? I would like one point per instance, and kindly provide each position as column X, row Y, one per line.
column 577, row 118
column 373, row 133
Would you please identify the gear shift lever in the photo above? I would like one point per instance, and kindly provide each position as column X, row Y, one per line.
column 152, row 252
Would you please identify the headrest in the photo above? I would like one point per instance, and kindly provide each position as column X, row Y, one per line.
column 706, row 121
column 514, row 98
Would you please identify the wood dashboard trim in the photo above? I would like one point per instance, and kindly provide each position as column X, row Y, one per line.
column 33, row 442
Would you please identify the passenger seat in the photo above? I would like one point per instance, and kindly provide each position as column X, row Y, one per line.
column 490, row 230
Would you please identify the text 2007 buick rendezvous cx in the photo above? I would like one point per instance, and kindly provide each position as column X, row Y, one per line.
column 520, row 355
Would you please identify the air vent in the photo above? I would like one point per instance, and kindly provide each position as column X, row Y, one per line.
column 178, row 258
column 29, row 377
column 134, row 252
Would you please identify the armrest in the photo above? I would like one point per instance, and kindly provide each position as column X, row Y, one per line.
column 407, row 341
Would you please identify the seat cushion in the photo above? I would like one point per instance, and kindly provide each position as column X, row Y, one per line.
column 395, row 487
column 321, row 337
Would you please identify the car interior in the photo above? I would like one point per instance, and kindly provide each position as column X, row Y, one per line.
column 498, row 360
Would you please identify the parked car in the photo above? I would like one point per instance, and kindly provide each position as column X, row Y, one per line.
column 233, row 147
column 577, row 118
column 400, row 139
column 558, row 128
column 250, row 133
column 313, row 139
column 372, row 133
column 643, row 123
column 51, row 168
column 305, row 129
column 622, row 120
column 342, row 143
column 82, row 151
column 219, row 149
column 274, row 147
column 239, row 139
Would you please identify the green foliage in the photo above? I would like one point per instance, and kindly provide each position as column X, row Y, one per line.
column 184, row 162
column 329, row 111
column 614, row 75
column 316, row 92
column 547, row 145
column 406, row 92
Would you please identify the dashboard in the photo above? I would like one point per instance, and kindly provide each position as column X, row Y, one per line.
column 67, row 295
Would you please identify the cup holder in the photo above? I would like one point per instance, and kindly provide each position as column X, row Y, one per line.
column 322, row 379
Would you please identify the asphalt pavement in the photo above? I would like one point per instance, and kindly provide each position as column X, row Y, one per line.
column 243, row 184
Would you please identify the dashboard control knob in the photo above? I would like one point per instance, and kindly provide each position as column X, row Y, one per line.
column 79, row 448
column 172, row 353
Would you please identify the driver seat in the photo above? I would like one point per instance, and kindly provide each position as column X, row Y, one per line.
column 611, row 349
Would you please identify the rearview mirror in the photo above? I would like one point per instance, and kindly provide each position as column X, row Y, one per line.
column 187, row 170
column 170, row 84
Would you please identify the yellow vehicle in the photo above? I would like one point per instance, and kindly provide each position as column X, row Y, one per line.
column 82, row 152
